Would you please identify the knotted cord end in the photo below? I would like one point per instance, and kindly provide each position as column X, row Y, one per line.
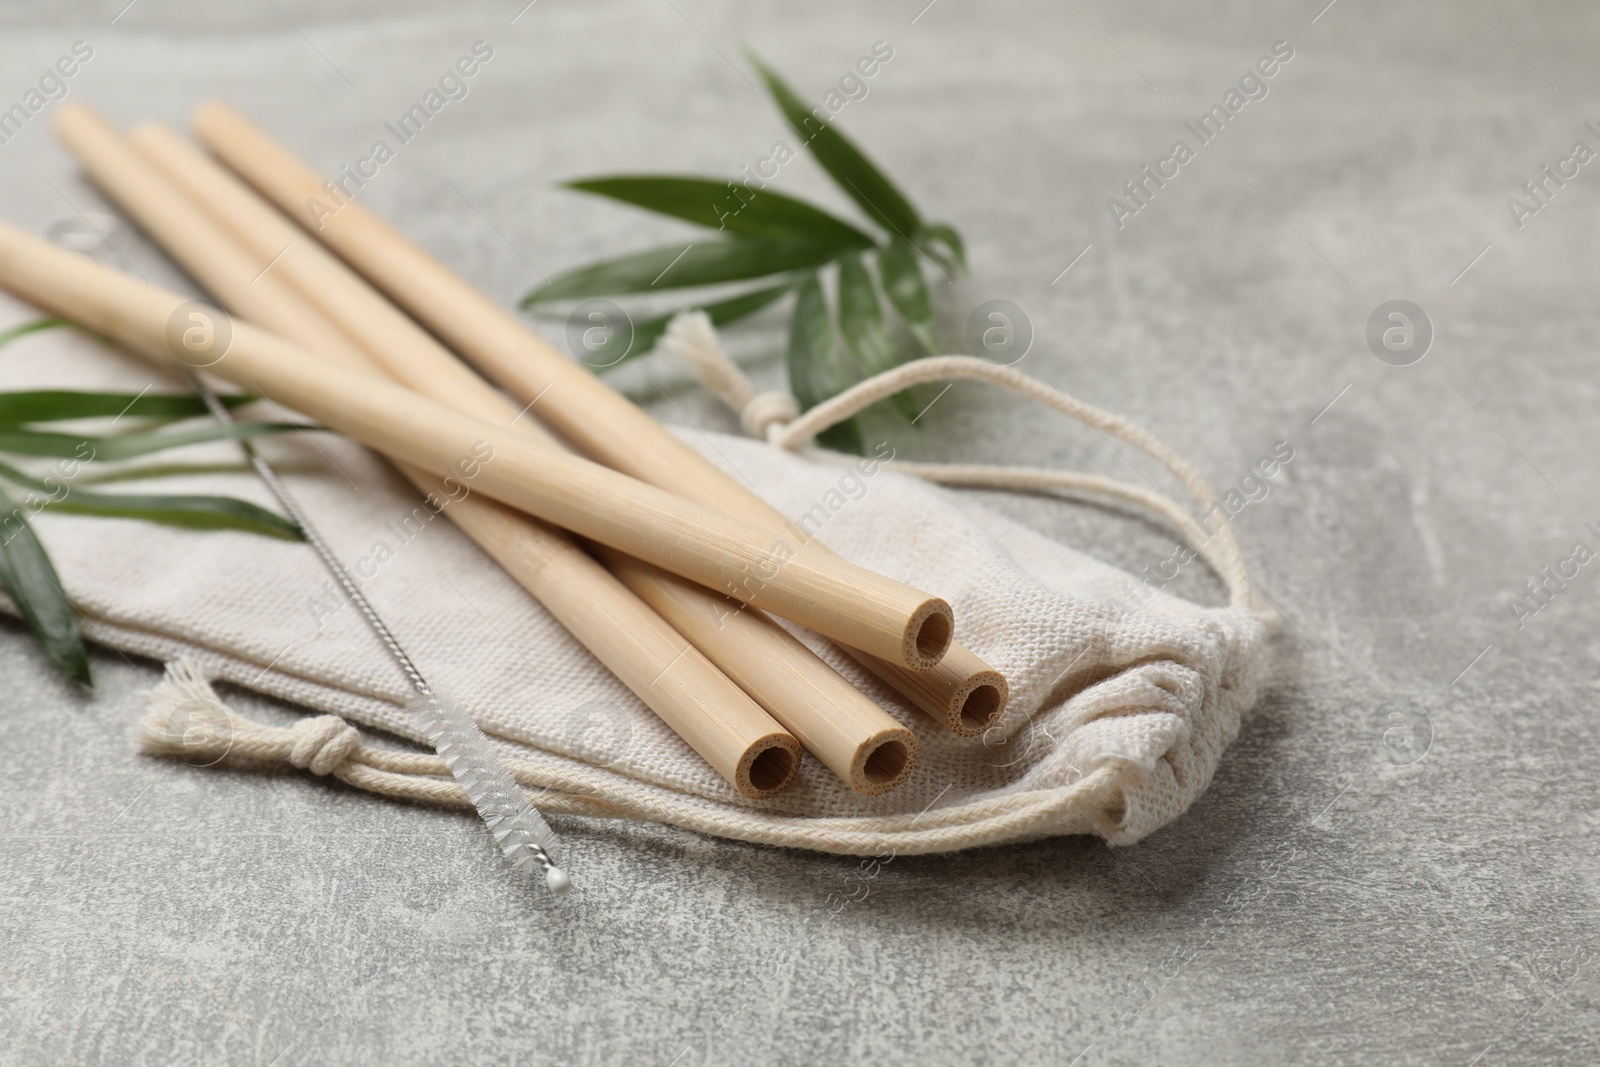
column 185, row 718
column 767, row 414
column 322, row 744
column 762, row 415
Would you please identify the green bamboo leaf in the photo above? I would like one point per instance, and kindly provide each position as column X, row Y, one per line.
column 845, row 163
column 192, row 512
column 903, row 284
column 34, row 587
column 730, row 206
column 866, row 330
column 683, row 266
column 136, row 472
column 50, row 405
column 647, row 333
column 815, row 370
column 931, row 237
column 185, row 510
column 112, row 447
column 7, row 336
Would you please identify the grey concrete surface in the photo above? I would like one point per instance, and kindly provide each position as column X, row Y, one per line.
column 1396, row 863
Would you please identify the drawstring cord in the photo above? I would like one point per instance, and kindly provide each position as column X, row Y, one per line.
column 775, row 418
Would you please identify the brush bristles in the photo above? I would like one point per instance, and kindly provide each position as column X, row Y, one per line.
column 520, row 831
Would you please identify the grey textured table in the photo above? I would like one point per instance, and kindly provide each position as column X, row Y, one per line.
column 1396, row 863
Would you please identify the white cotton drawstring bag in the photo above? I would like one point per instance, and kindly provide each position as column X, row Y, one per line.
column 1122, row 697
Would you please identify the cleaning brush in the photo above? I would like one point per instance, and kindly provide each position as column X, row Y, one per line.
column 517, row 827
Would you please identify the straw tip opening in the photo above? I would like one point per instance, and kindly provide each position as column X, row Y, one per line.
column 768, row 766
column 884, row 764
column 979, row 704
column 929, row 634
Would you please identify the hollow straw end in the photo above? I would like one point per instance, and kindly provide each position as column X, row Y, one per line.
column 928, row 634
column 977, row 703
column 884, row 762
column 768, row 765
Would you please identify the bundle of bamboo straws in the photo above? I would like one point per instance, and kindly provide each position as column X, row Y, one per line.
column 657, row 562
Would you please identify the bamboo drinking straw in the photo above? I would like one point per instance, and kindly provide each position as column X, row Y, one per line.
column 850, row 734
column 848, row 603
column 718, row 720
column 961, row 690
